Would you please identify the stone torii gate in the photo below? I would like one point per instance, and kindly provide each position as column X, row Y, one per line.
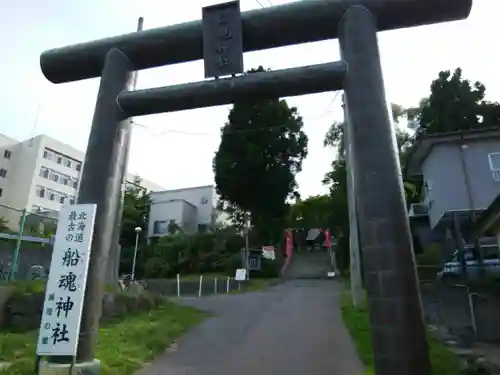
column 397, row 325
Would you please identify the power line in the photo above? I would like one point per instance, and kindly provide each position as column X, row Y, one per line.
column 175, row 131
column 259, row 129
column 258, row 2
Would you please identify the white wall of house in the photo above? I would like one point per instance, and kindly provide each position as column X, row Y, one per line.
column 163, row 209
column 460, row 176
column 161, row 214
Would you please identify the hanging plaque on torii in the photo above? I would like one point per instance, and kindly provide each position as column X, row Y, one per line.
column 222, row 40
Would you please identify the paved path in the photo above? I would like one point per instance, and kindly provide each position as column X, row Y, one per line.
column 290, row 329
column 315, row 264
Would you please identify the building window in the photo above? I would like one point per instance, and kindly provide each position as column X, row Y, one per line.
column 68, row 163
column 3, row 172
column 75, row 184
column 7, row 154
column 78, row 166
column 494, row 160
column 72, row 201
column 160, row 227
column 52, row 196
column 59, row 160
column 62, row 199
column 40, row 192
column 47, row 154
column 54, row 177
column 1, row 192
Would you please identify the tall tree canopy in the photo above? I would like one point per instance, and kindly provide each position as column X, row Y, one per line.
column 455, row 104
column 335, row 134
column 261, row 152
column 312, row 212
column 336, row 178
column 136, row 206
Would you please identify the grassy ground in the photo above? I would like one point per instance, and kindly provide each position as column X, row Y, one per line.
column 444, row 362
column 123, row 347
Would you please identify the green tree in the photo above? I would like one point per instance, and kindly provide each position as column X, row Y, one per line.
column 136, row 206
column 313, row 212
column 235, row 214
column 335, row 134
column 261, row 151
column 173, row 227
column 4, row 225
column 455, row 104
column 336, row 180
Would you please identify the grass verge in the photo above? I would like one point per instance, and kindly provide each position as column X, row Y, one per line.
column 444, row 362
column 123, row 347
column 253, row 285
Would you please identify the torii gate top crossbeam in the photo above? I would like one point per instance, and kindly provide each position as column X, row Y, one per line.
column 299, row 22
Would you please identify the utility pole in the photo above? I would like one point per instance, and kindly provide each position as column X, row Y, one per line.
column 115, row 252
column 140, row 27
column 247, row 246
column 354, row 252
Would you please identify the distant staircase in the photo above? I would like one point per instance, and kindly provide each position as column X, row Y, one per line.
column 309, row 265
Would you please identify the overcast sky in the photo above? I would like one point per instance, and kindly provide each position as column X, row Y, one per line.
column 175, row 150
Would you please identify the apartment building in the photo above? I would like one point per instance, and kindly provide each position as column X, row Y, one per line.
column 42, row 173
column 191, row 209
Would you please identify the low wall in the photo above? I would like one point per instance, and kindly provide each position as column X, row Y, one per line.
column 448, row 305
column 23, row 312
column 29, row 255
column 5, row 293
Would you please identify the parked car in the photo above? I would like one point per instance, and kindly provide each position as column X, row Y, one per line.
column 491, row 262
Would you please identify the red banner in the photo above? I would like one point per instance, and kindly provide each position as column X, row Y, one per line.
column 328, row 239
column 288, row 245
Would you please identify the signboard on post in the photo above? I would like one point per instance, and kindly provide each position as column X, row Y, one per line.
column 222, row 39
column 241, row 274
column 268, row 252
column 62, row 308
